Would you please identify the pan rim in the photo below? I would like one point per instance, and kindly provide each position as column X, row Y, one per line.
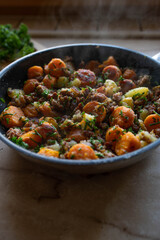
column 50, row 160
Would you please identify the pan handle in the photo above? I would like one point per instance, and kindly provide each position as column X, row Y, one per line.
column 157, row 57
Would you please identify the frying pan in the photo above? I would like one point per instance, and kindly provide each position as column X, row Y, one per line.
column 15, row 74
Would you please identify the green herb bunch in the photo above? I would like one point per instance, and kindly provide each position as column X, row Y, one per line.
column 14, row 43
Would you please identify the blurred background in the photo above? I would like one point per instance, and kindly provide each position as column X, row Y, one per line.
column 119, row 22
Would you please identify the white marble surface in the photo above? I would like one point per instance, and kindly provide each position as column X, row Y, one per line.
column 38, row 202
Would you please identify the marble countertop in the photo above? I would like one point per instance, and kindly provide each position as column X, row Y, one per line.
column 39, row 202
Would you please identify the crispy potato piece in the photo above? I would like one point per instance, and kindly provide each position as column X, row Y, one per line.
column 48, row 152
column 62, row 82
column 146, row 137
column 11, row 117
column 152, row 122
column 56, row 67
column 143, row 114
column 50, row 120
column 81, row 151
column 30, row 86
column 110, row 87
column 122, row 116
column 46, row 110
column 96, row 109
column 88, row 122
column 30, row 111
column 128, row 143
column 112, row 72
column 35, row 72
column 75, row 83
column 127, row 102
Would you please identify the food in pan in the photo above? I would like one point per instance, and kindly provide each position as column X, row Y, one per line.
column 99, row 110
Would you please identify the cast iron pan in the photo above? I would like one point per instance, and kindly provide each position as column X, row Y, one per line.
column 15, row 74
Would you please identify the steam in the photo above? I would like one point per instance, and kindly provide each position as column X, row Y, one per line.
column 89, row 18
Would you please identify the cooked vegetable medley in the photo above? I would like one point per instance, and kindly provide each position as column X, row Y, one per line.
column 97, row 111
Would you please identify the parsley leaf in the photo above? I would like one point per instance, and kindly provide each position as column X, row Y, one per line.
column 19, row 142
column 14, row 43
